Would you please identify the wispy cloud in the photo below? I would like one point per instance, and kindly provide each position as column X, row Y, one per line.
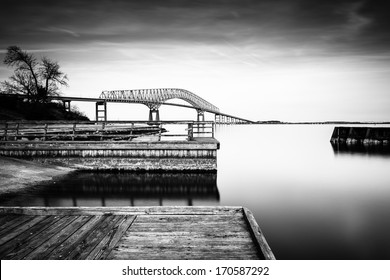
column 60, row 30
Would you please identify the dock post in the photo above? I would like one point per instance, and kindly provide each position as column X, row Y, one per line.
column 200, row 118
column 190, row 131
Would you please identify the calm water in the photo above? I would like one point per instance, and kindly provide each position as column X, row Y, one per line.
column 311, row 200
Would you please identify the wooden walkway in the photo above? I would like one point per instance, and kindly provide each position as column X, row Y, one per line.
column 126, row 233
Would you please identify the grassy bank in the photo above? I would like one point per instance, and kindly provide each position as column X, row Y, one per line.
column 14, row 108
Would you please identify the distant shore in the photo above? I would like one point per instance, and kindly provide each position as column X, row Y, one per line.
column 16, row 174
column 324, row 122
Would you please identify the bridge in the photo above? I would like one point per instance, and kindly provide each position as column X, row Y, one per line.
column 153, row 99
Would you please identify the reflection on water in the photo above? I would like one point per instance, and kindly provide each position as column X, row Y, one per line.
column 370, row 150
column 310, row 202
column 122, row 189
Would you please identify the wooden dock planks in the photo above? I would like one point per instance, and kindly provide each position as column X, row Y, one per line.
column 131, row 233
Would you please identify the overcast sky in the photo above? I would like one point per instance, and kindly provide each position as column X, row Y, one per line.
column 291, row 60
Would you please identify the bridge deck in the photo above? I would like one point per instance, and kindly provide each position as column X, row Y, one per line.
column 131, row 233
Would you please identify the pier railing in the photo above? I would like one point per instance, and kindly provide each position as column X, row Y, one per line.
column 104, row 131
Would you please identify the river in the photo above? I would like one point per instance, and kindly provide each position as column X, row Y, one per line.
column 311, row 200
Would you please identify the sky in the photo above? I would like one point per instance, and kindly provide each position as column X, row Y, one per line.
column 288, row 60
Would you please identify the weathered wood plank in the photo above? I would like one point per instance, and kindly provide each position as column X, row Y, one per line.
column 20, row 229
column 147, row 220
column 11, row 248
column 236, row 217
column 172, row 252
column 13, row 223
column 6, row 218
column 185, row 234
column 180, row 255
column 76, row 235
column 187, row 227
column 205, row 243
column 186, row 221
column 177, row 253
column 84, row 248
column 39, row 239
column 157, row 210
column 111, row 239
column 258, row 235
column 56, row 239
column 183, row 254
column 191, row 241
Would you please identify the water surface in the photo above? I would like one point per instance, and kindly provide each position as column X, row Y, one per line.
column 312, row 200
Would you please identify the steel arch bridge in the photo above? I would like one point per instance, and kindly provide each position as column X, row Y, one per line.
column 154, row 98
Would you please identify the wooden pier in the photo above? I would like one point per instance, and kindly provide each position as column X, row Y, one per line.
column 112, row 145
column 126, row 233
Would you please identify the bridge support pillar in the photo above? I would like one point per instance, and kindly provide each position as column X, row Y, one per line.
column 219, row 119
column 101, row 111
column 200, row 117
column 66, row 105
column 156, row 113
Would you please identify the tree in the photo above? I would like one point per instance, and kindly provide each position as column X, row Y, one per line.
column 36, row 79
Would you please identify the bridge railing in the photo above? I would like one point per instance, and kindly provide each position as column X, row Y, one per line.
column 104, row 131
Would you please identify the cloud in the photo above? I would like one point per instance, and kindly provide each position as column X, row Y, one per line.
column 60, row 30
column 262, row 33
column 274, row 22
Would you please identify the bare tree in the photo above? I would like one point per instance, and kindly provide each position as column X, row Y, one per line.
column 36, row 79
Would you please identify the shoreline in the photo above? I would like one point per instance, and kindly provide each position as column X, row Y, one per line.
column 323, row 122
column 17, row 174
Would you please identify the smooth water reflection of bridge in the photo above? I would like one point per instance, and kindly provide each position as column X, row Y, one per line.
column 123, row 189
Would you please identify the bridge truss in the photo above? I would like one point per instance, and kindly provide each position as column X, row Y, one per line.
column 154, row 98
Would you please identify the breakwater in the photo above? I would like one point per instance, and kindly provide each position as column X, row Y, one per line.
column 361, row 135
column 172, row 155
